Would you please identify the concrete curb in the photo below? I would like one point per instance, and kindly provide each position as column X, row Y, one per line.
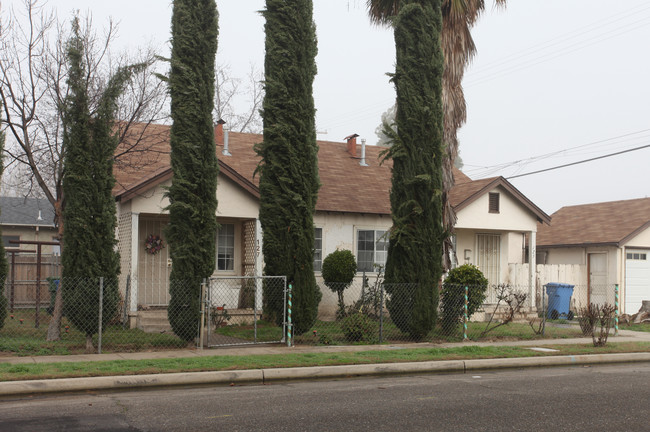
column 262, row 376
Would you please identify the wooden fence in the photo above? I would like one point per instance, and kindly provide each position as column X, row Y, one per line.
column 21, row 283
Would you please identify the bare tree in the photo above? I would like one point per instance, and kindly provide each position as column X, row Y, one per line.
column 33, row 88
column 230, row 94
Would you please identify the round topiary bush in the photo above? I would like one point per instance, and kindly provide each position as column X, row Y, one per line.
column 338, row 272
column 358, row 327
column 453, row 295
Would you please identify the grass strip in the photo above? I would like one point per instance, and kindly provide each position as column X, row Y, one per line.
column 18, row 372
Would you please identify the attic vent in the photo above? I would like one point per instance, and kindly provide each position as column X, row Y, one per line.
column 494, row 202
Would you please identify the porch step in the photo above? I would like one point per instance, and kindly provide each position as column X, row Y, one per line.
column 153, row 321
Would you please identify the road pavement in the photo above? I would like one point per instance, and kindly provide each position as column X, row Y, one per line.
column 566, row 398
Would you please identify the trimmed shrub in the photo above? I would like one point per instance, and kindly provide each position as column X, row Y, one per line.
column 453, row 295
column 358, row 327
column 338, row 271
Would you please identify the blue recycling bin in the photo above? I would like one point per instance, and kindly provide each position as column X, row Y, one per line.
column 559, row 301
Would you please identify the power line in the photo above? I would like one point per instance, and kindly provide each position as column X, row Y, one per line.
column 579, row 162
column 619, row 139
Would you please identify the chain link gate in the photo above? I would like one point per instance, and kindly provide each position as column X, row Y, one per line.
column 238, row 301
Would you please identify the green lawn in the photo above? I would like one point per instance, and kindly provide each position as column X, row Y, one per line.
column 642, row 327
column 16, row 372
column 23, row 339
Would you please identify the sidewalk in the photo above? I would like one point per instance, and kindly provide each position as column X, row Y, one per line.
column 264, row 376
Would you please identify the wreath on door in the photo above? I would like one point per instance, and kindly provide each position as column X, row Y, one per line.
column 153, row 244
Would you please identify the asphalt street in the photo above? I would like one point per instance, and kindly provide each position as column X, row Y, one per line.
column 573, row 398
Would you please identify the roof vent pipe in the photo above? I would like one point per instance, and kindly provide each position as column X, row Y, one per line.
column 40, row 215
column 362, row 162
column 225, row 151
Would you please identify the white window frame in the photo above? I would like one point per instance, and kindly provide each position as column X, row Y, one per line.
column 318, row 252
column 228, row 250
column 379, row 236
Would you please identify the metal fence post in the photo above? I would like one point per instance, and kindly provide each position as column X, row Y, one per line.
column 289, row 325
column 381, row 313
column 465, row 315
column 616, row 312
column 203, row 304
column 101, row 307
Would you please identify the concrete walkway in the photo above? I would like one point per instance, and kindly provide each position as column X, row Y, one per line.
column 263, row 376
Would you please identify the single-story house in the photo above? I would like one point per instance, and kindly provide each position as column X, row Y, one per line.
column 27, row 219
column 352, row 212
column 611, row 240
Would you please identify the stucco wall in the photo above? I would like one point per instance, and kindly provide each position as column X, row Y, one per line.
column 641, row 240
column 31, row 234
column 233, row 200
column 340, row 229
column 512, row 215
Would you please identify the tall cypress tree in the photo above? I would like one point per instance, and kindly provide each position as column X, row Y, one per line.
column 192, row 196
column 90, row 216
column 3, row 257
column 288, row 169
column 415, row 248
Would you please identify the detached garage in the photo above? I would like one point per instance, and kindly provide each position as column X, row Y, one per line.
column 611, row 240
column 637, row 278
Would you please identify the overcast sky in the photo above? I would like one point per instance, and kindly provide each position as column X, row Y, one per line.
column 554, row 80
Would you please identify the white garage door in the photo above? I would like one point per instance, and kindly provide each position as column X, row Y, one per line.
column 637, row 279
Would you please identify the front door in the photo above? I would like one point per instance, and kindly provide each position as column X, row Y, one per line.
column 598, row 278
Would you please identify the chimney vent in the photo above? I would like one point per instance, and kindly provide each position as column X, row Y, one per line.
column 225, row 151
column 362, row 162
column 352, row 144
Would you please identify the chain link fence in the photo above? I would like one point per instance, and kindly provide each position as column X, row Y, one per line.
column 235, row 310
column 94, row 319
column 238, row 310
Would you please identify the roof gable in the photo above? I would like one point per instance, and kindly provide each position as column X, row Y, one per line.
column 607, row 223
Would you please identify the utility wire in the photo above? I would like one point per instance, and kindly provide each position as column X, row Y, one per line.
column 564, row 152
column 578, row 162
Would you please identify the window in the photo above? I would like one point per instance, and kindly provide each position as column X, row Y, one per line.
column 494, row 202
column 637, row 256
column 7, row 245
column 226, row 247
column 372, row 249
column 318, row 249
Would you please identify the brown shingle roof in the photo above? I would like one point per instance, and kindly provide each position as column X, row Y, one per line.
column 345, row 185
column 611, row 223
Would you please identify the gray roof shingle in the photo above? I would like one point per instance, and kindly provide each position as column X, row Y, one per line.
column 26, row 211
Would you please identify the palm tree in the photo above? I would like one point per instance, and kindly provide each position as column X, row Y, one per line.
column 458, row 17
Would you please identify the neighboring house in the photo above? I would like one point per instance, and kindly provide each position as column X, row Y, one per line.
column 27, row 219
column 611, row 240
column 352, row 212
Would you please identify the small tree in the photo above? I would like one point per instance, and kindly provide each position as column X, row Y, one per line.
column 338, row 271
column 453, row 295
column 89, row 237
